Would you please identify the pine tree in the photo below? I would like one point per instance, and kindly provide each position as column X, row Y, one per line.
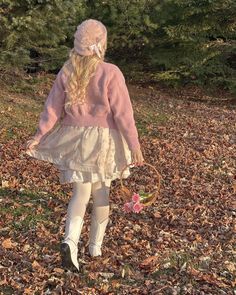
column 178, row 41
column 37, row 33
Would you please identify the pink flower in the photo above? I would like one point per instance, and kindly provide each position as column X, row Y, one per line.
column 128, row 207
column 135, row 204
column 136, row 198
column 137, row 207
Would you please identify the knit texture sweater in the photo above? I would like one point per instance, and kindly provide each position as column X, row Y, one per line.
column 107, row 104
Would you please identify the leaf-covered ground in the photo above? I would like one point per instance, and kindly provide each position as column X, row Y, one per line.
column 183, row 244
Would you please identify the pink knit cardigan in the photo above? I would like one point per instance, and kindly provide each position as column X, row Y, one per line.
column 107, row 104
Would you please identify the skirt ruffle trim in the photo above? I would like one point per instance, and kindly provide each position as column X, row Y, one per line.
column 70, row 176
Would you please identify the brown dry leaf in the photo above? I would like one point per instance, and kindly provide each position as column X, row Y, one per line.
column 105, row 261
column 234, row 187
column 8, row 244
column 157, row 214
column 198, row 207
column 36, row 265
column 104, row 288
column 93, row 275
column 210, row 278
column 3, row 282
column 115, row 283
column 230, row 266
column 58, row 270
column 26, row 247
column 28, row 204
column 28, row 291
column 234, row 283
column 146, row 263
column 198, row 238
column 176, row 178
column 5, row 183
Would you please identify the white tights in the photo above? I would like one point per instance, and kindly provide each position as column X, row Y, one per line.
column 81, row 196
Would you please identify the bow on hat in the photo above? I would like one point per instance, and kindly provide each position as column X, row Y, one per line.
column 90, row 37
column 96, row 47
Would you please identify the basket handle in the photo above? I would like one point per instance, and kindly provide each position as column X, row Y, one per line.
column 154, row 193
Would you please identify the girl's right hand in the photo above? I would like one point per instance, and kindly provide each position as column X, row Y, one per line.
column 30, row 144
column 137, row 157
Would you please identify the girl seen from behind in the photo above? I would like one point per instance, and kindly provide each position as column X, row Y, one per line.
column 94, row 139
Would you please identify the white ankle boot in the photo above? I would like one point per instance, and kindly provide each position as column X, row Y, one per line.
column 96, row 235
column 69, row 246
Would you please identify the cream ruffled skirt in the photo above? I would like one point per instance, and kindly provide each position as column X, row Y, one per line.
column 85, row 154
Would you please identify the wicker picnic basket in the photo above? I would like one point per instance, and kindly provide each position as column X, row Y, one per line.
column 126, row 194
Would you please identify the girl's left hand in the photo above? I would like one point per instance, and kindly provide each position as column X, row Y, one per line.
column 137, row 157
column 30, row 144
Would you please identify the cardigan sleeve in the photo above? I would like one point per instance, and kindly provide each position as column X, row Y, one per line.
column 53, row 107
column 121, row 107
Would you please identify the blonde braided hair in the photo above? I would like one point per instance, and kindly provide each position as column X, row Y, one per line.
column 79, row 70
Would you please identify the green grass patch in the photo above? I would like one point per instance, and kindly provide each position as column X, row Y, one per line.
column 7, row 290
column 27, row 85
column 18, row 115
column 148, row 121
column 21, row 101
column 23, row 209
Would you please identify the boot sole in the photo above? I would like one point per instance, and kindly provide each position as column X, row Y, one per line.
column 66, row 258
